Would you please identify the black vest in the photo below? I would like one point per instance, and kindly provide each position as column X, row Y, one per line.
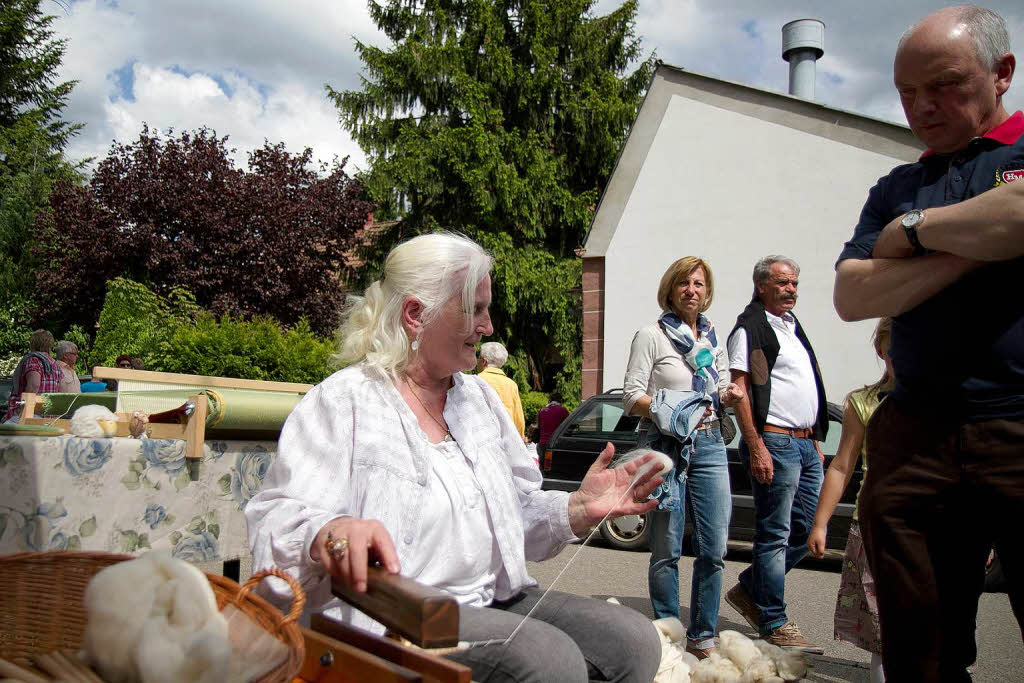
column 762, row 352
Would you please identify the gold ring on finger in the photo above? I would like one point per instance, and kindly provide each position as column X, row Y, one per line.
column 337, row 547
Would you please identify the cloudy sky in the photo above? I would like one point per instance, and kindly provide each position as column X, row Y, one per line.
column 256, row 69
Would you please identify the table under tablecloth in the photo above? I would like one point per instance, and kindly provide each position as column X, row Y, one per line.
column 128, row 495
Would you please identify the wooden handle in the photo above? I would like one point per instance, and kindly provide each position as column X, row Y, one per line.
column 426, row 616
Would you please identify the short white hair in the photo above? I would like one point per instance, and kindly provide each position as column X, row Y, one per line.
column 494, row 353
column 987, row 29
column 763, row 269
column 432, row 268
column 64, row 347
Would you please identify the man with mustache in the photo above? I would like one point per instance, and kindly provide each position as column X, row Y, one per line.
column 782, row 418
column 939, row 247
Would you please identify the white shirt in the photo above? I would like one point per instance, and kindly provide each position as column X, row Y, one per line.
column 655, row 364
column 794, row 399
column 352, row 446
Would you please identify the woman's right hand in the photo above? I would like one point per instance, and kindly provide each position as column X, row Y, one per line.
column 368, row 541
column 816, row 542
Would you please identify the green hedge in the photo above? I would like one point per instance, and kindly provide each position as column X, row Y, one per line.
column 173, row 334
column 533, row 401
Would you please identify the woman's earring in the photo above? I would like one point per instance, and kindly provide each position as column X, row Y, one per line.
column 415, row 344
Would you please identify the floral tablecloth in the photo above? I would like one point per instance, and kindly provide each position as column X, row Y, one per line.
column 128, row 495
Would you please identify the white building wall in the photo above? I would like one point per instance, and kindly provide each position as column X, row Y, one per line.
column 732, row 188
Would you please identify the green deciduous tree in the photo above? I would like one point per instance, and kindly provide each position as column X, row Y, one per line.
column 501, row 119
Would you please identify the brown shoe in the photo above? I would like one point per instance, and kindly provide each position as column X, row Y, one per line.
column 699, row 652
column 740, row 601
column 788, row 637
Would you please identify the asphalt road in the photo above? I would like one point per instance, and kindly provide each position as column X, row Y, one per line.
column 810, row 593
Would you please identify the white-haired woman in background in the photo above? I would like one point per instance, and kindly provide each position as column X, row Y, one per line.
column 400, row 458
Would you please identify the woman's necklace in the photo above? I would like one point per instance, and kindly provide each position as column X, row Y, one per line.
column 447, row 434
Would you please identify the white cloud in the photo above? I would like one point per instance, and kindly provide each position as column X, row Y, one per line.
column 276, row 56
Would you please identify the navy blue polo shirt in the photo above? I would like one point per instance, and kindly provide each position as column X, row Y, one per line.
column 959, row 354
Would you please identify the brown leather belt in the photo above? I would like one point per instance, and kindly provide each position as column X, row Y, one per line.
column 707, row 426
column 795, row 433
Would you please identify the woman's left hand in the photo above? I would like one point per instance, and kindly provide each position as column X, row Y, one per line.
column 612, row 492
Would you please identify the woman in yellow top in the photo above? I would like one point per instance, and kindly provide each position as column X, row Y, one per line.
column 856, row 619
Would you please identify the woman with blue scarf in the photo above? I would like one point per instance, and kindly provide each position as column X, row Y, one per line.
column 681, row 354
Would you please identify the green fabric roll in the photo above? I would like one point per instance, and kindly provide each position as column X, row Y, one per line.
column 238, row 410
column 67, row 404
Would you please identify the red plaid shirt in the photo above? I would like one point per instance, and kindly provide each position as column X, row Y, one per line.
column 48, row 382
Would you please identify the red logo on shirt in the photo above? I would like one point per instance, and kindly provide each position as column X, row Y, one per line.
column 1010, row 176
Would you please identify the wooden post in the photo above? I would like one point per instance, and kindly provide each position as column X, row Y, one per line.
column 195, row 434
column 28, row 410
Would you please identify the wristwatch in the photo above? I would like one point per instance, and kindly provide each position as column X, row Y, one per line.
column 911, row 221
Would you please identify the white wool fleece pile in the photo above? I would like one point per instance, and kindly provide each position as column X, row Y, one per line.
column 155, row 620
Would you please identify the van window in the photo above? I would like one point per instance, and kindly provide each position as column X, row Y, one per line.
column 605, row 418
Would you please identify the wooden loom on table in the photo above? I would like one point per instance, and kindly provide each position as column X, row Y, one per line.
column 175, row 406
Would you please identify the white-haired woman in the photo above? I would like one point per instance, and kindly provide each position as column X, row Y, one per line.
column 402, row 459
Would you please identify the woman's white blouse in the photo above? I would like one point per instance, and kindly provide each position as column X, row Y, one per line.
column 352, row 447
column 655, row 364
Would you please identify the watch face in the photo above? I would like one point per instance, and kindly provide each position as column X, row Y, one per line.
column 912, row 218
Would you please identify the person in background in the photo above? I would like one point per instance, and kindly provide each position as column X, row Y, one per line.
column 137, row 363
column 403, row 458
column 940, row 240
column 782, row 419
column 548, row 419
column 93, row 385
column 37, row 372
column 856, row 619
column 124, row 361
column 67, row 355
column 492, row 357
column 681, row 351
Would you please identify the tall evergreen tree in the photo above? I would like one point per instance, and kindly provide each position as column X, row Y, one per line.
column 501, row 119
column 30, row 56
column 32, row 140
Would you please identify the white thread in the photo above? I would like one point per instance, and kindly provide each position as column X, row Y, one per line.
column 482, row 643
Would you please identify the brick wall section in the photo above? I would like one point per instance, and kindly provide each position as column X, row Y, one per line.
column 593, row 326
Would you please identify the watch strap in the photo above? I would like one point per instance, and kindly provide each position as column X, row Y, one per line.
column 912, row 238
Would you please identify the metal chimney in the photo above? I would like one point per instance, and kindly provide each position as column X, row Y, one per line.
column 803, row 43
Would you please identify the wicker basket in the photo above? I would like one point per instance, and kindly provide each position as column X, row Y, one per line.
column 41, row 606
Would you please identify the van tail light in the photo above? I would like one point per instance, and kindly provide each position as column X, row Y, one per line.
column 547, row 460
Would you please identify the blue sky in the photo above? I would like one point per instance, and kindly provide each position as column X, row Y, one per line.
column 256, row 69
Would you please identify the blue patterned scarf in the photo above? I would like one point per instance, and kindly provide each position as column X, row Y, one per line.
column 699, row 354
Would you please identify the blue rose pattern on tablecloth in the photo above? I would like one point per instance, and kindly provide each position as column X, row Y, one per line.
column 247, row 475
column 217, row 449
column 86, row 455
column 197, row 547
column 167, row 454
column 38, row 531
column 154, row 515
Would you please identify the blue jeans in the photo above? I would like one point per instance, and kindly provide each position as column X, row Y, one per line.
column 706, row 496
column 784, row 513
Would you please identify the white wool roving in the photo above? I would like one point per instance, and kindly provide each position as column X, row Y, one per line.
column 790, row 665
column 715, row 669
column 738, row 648
column 659, row 463
column 154, row 619
column 676, row 663
column 93, row 422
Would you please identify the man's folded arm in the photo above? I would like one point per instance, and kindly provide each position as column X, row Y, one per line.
column 876, row 287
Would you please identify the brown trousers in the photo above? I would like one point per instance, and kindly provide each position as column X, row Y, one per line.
column 937, row 496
